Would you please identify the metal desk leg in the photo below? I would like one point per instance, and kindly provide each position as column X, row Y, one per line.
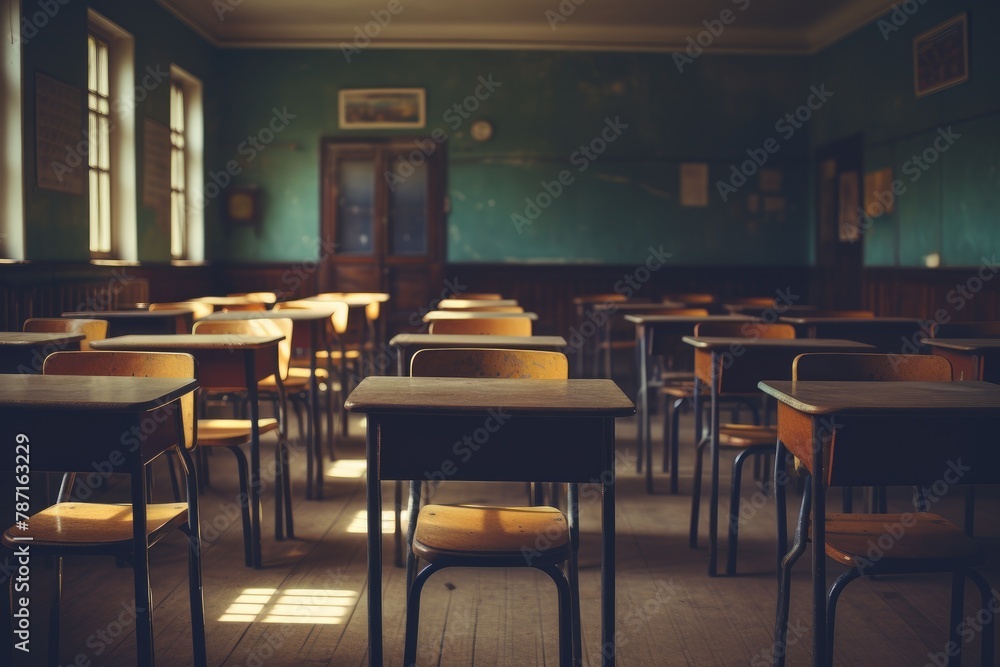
column 643, row 396
column 608, row 645
column 818, row 548
column 255, row 508
column 374, row 492
column 315, row 426
column 713, row 508
column 140, row 568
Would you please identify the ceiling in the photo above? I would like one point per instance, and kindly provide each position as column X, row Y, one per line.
column 754, row 26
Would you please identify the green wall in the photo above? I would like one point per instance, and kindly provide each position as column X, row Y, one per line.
column 546, row 106
column 952, row 207
column 57, row 226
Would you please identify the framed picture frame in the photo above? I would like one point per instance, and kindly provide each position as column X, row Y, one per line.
column 941, row 56
column 382, row 108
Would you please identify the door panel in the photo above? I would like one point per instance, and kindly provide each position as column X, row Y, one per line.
column 388, row 232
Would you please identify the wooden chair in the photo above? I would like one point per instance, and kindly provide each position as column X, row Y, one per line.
column 232, row 434
column 497, row 326
column 199, row 308
column 91, row 329
column 263, row 297
column 74, row 528
column 746, row 439
column 928, row 543
column 340, row 357
column 476, row 536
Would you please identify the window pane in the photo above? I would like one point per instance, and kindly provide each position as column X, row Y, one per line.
column 102, row 69
column 104, row 160
column 91, row 63
column 356, row 207
column 95, row 217
column 408, row 213
column 105, row 198
column 93, row 139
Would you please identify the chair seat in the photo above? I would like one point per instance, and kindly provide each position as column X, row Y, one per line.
column 678, row 389
column 75, row 524
column 746, row 435
column 230, row 432
column 923, row 536
column 479, row 532
column 295, row 382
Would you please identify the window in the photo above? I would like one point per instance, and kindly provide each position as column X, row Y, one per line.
column 186, row 167
column 178, row 182
column 111, row 98
column 11, row 189
column 99, row 139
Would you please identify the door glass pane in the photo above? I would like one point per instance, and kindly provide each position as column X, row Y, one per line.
column 408, row 213
column 356, row 207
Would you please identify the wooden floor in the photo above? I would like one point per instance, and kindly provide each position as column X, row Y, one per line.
column 307, row 606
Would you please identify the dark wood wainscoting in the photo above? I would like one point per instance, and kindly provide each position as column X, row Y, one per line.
column 47, row 289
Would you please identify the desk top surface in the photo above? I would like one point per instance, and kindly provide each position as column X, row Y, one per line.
column 431, row 395
column 294, row 314
column 448, row 304
column 640, row 307
column 84, row 392
column 186, row 342
column 850, row 321
column 805, row 344
column 29, row 339
column 964, row 344
column 824, row 397
column 130, row 314
column 478, row 341
column 472, row 315
column 686, row 319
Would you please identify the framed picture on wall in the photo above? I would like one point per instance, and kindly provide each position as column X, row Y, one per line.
column 382, row 108
column 941, row 56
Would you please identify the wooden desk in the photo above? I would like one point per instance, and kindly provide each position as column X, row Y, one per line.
column 223, row 301
column 413, row 422
column 653, row 335
column 736, row 365
column 757, row 309
column 25, row 352
column 437, row 315
column 939, row 422
column 971, row 358
column 127, row 322
column 607, row 312
column 584, row 307
column 886, row 334
column 308, row 332
column 404, row 345
column 367, row 305
column 225, row 361
column 53, row 411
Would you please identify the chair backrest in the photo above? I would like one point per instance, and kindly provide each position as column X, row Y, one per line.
column 250, row 305
column 199, row 308
column 131, row 364
column 680, row 312
column 489, row 363
column 479, row 296
column 263, row 297
column 280, row 326
column 847, row 314
column 609, row 297
column 91, row 329
column 338, row 320
column 744, row 329
column 871, row 367
column 967, row 330
column 689, row 298
column 497, row 326
column 763, row 301
column 485, row 309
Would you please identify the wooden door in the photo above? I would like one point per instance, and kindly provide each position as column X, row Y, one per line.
column 840, row 236
column 383, row 214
